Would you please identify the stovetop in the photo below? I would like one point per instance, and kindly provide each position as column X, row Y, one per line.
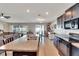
column 74, row 39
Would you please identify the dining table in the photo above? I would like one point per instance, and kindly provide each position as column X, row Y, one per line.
column 22, row 46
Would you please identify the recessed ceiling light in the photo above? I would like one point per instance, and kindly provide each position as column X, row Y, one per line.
column 40, row 22
column 40, row 19
column 28, row 10
column 1, row 17
column 47, row 13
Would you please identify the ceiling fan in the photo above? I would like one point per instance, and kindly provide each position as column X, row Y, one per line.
column 2, row 16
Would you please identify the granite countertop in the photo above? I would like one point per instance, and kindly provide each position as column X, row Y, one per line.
column 75, row 44
column 66, row 38
column 63, row 36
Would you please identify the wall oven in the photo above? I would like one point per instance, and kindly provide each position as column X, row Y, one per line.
column 67, row 24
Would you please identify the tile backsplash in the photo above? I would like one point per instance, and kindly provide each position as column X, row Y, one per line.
column 64, row 31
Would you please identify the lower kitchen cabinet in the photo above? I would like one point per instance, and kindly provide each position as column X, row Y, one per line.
column 65, row 48
column 74, row 51
column 56, row 41
column 62, row 46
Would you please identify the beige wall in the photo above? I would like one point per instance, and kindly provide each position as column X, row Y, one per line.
column 1, row 25
column 5, row 26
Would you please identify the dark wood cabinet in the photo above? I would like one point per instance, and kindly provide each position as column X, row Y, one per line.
column 60, row 21
column 72, row 12
column 69, row 14
column 72, row 16
column 76, row 11
column 62, row 46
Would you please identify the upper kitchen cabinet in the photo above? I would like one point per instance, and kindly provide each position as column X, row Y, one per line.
column 72, row 12
column 69, row 14
column 60, row 21
column 76, row 11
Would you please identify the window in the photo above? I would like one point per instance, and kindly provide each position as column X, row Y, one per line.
column 20, row 29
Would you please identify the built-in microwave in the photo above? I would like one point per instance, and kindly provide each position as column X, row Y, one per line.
column 72, row 24
column 67, row 24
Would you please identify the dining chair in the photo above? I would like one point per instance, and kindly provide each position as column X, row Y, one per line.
column 2, row 43
column 5, row 41
column 12, row 39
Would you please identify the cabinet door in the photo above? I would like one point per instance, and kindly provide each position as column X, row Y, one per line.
column 62, row 21
column 56, row 41
column 69, row 14
column 59, row 23
column 64, row 49
column 76, row 11
column 75, row 51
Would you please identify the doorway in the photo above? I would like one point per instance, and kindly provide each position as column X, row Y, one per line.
column 39, row 29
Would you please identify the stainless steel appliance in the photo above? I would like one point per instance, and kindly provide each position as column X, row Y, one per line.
column 72, row 24
column 73, row 37
column 67, row 24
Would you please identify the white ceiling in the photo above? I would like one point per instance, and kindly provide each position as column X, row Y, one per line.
column 18, row 13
